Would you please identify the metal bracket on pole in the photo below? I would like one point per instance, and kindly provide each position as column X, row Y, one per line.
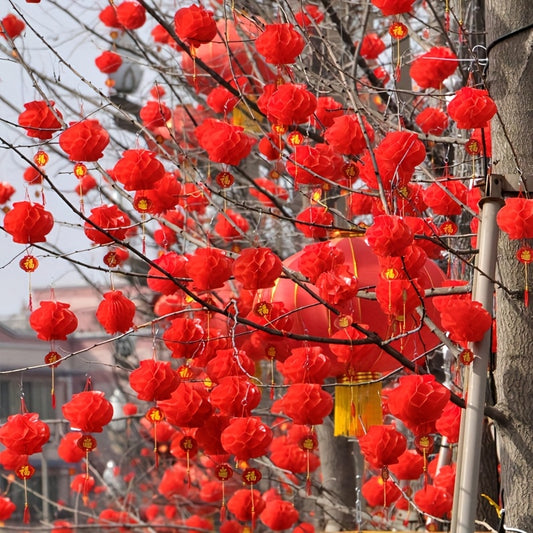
column 469, row 447
column 509, row 184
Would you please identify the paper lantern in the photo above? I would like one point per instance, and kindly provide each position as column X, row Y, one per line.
column 327, row 110
column 407, row 266
column 163, row 196
column 208, row 436
column 291, row 103
column 24, row 433
column 311, row 165
column 398, row 298
column 12, row 26
column 346, row 136
column 185, row 338
column 155, row 114
column 337, row 286
column 382, row 445
column 257, row 268
column 246, row 438
column 393, row 7
column 371, row 46
column 195, row 25
column 431, row 69
column 53, row 320
column 84, row 140
column 108, row 62
column 319, row 257
column 28, row 223
column 62, row 526
column 434, row 501
column 138, row 169
column 88, row 411
column 280, row 44
column 115, row 312
column 516, row 218
column 223, row 142
column 380, row 493
column 235, row 396
column 108, row 16
column 466, row 321
column 32, row 176
column 11, row 460
column 230, row 363
column 306, row 364
column 441, row 198
column 68, row 448
column 315, row 222
column 209, row 268
column 293, row 457
column 432, row 121
column 389, row 235
column 446, row 478
column 154, row 380
column 188, row 406
column 110, row 224
column 418, row 401
column 7, row 508
column 279, row 515
column 231, row 225
column 130, row 15
column 304, row 527
column 246, row 504
column 172, row 263
column 410, row 466
column 41, row 119
column 305, row 403
column 231, row 526
column 471, row 108
column 308, row 15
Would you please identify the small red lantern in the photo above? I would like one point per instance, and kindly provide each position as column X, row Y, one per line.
column 280, row 44
column 315, row 222
column 108, row 62
column 84, row 140
column 138, row 169
column 398, row 30
column 389, row 235
column 379, row 492
column 209, row 268
column 257, row 268
column 154, row 380
column 188, row 406
column 40, row 119
column 371, row 46
column 305, row 403
column 246, row 438
column 12, row 26
column 115, row 312
column 432, row 121
column 516, row 218
column 7, row 508
column 53, row 320
column 393, row 7
column 29, row 263
column 130, row 15
column 246, row 504
column 185, row 338
column 431, row 69
column 235, row 396
column 471, row 108
column 88, row 411
column 109, row 219
column 28, row 223
column 24, row 433
column 195, row 25
column 346, row 136
column 68, row 448
column 279, row 515
column 433, row 500
column 291, row 103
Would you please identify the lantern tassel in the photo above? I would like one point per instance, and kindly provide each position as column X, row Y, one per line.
column 223, row 505
column 53, row 390
column 26, row 517
column 526, row 288
column 156, row 453
column 357, row 404
column 307, row 474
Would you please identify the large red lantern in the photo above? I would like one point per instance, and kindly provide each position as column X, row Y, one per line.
column 53, row 321
column 115, row 312
column 40, row 119
column 28, row 223
column 88, row 411
column 84, row 140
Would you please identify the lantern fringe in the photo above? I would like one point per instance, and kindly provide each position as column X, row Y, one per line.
column 357, row 404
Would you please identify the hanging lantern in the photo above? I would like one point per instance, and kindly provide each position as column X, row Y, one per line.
column 246, row 505
column 393, row 7
column 257, row 268
column 195, row 25
column 291, row 103
column 84, row 140
column 432, row 121
column 7, row 508
column 446, row 197
column 68, row 448
column 28, row 223
column 516, row 218
column 315, row 165
column 279, row 515
column 346, row 136
column 379, row 492
column 306, row 364
column 433, row 500
column 12, row 26
column 24, row 433
column 53, row 321
column 230, row 225
column 88, row 411
column 410, row 466
column 108, row 62
column 114, row 222
column 431, row 69
column 280, row 44
column 40, row 119
column 172, row 263
column 154, row 380
column 466, row 321
column 185, row 338
column 315, row 222
column 389, row 235
column 138, row 169
column 188, row 405
column 246, row 438
column 115, row 312
column 130, row 15
column 471, row 108
column 209, row 268
column 305, row 403
column 235, row 396
column 371, row 46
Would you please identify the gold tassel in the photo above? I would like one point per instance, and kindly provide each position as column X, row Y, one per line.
column 357, row 404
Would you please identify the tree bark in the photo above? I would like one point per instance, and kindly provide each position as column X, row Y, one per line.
column 510, row 82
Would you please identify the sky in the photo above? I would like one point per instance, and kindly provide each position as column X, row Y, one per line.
column 16, row 87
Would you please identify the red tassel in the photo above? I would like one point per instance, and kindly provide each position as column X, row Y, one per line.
column 308, row 485
column 53, row 395
column 26, row 518
column 223, row 513
column 526, row 298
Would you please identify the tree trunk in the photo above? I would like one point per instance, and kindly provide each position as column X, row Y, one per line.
column 510, row 82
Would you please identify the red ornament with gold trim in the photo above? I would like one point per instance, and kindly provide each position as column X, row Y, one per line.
column 223, row 473
column 398, row 30
column 25, row 472
column 525, row 256
column 53, row 360
column 155, row 415
column 466, row 357
column 29, row 263
column 224, row 179
column 308, row 444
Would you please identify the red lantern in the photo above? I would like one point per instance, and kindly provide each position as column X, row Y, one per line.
column 108, row 16
column 68, row 448
column 446, row 197
column 382, row 446
column 389, row 235
column 448, row 424
column 308, row 15
column 223, row 142
column 40, row 119
column 410, row 465
column 53, row 321
column 220, row 100
column 314, row 164
column 319, row 257
column 175, row 265
column 11, row 460
column 115, row 312
column 393, row 7
column 327, row 110
column 155, row 114
column 371, row 46
column 338, row 285
column 432, row 121
column 280, row 44
column 28, row 223
column 279, row 515
column 208, row 436
column 24, row 434
column 466, row 320
column 431, row 69
column 138, row 169
column 209, row 268
column 230, row 225
column 188, row 406
column 346, row 136
column 291, row 103
column 130, row 15
column 246, row 438
column 257, row 268
column 434, row 501
column 516, row 218
column 306, row 364
column 84, row 140
column 229, row 362
column 195, row 25
column 164, row 196
column 88, row 411
column 418, row 402
column 154, row 380
column 109, row 219
column 235, row 396
column 7, row 508
column 305, row 403
column 12, row 26
column 108, row 62
column 315, row 222
column 246, row 504
column 379, row 492
column 185, row 338
column 471, row 108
